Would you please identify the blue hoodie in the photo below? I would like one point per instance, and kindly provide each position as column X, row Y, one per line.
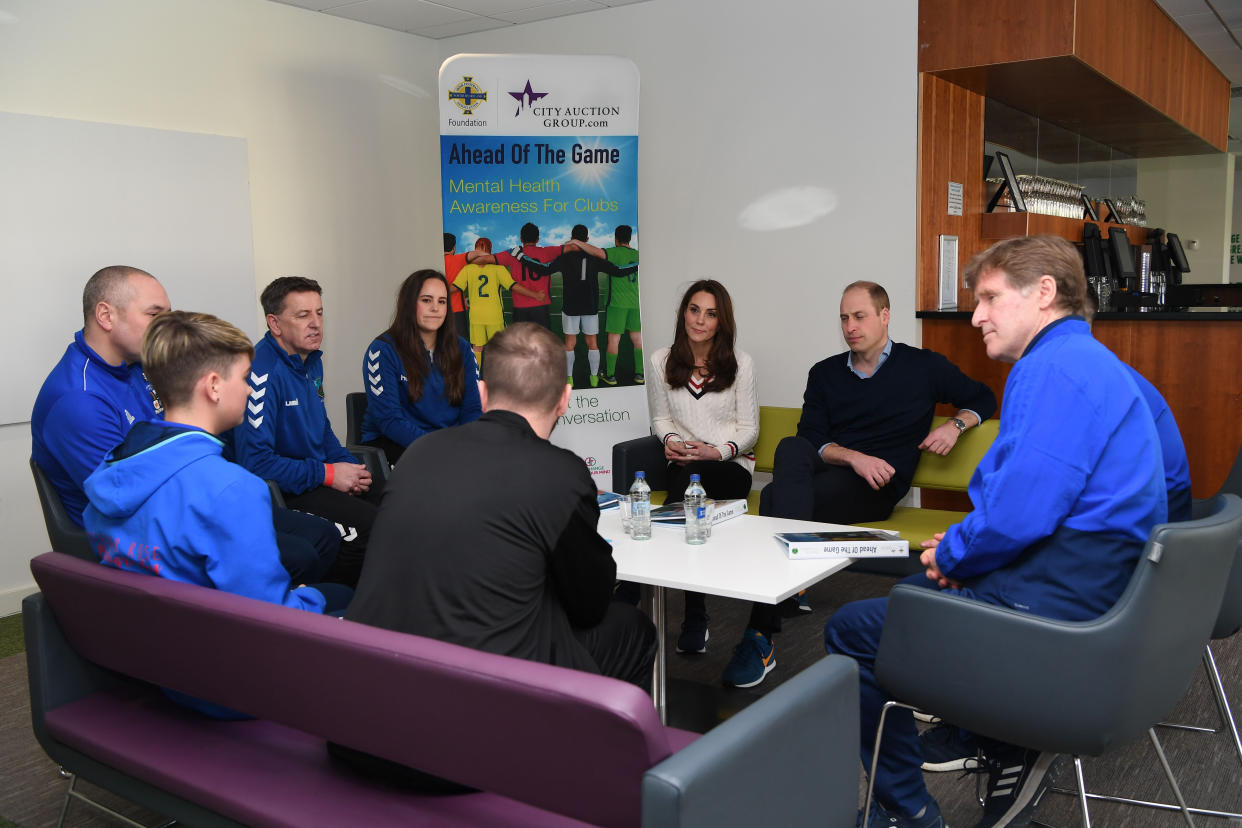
column 389, row 410
column 286, row 435
column 166, row 502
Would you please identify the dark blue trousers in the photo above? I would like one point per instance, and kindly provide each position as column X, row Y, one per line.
column 854, row 630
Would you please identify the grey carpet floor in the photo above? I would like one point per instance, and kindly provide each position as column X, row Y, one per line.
column 1207, row 766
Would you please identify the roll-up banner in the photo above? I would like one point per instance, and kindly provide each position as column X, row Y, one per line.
column 539, row 170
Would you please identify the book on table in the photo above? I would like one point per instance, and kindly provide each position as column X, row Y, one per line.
column 848, row 543
column 608, row 500
column 672, row 514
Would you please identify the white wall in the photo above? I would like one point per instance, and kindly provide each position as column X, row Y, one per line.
column 344, row 163
column 1192, row 196
column 343, row 156
column 737, row 103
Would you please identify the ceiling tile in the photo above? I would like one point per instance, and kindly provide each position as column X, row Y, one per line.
column 317, row 5
column 1217, row 44
column 1175, row 7
column 1196, row 25
column 1233, row 17
column 549, row 10
column 402, row 15
column 1231, row 66
column 461, row 27
column 491, row 7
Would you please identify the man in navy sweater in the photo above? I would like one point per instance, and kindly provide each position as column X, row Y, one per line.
column 1063, row 503
column 866, row 415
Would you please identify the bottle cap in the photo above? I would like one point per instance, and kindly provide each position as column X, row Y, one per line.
column 694, row 478
column 640, row 475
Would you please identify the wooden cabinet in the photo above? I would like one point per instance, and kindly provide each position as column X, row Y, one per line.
column 1117, row 71
column 996, row 226
column 1188, row 357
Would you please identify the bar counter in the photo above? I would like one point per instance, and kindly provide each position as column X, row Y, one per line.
column 1193, row 357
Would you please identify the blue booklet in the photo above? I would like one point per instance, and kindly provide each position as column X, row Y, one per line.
column 608, row 500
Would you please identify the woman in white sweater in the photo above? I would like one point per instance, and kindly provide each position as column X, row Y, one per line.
column 705, row 411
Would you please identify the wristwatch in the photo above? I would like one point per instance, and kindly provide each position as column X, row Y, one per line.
column 959, row 423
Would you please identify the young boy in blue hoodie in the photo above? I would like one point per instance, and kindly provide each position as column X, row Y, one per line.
column 165, row 501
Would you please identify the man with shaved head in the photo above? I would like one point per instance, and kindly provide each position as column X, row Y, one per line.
column 95, row 393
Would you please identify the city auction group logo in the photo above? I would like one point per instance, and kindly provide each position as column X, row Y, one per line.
column 467, row 95
column 526, row 97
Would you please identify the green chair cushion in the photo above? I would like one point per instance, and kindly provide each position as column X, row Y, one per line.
column 775, row 424
column 952, row 473
column 916, row 525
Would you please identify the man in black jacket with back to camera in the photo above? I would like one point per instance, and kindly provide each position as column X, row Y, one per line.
column 487, row 533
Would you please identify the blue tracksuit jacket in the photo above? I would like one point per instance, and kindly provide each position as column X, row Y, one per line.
column 389, row 410
column 1068, row 493
column 286, row 435
column 1176, row 465
column 83, row 411
column 167, row 503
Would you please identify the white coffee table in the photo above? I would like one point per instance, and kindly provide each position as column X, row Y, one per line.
column 741, row 560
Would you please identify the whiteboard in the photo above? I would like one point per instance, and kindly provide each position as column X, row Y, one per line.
column 76, row 196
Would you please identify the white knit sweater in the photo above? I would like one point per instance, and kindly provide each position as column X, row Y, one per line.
column 728, row 420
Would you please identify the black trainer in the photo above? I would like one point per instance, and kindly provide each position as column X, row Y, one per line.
column 1017, row 782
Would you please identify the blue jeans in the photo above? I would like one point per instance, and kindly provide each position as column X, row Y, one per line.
column 854, row 630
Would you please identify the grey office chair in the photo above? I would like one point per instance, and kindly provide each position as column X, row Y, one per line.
column 355, row 410
column 375, row 458
column 1079, row 688
column 65, row 535
column 278, row 497
column 1228, row 622
column 641, row 453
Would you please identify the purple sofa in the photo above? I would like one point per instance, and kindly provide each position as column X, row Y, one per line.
column 544, row 745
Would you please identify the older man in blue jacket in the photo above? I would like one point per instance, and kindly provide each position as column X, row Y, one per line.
column 1063, row 505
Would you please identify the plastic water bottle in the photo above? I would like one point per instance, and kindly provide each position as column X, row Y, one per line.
column 640, row 508
column 695, row 506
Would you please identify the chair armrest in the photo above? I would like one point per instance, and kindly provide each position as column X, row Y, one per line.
column 278, row 497
column 374, row 459
column 797, row 747
column 640, row 454
column 992, row 670
column 56, row 673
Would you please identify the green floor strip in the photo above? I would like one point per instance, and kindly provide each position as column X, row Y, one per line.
column 11, row 643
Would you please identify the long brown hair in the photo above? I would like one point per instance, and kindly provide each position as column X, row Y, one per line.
column 721, row 363
column 404, row 335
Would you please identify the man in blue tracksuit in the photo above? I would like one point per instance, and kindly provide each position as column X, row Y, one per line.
column 97, row 392
column 1063, row 504
column 286, row 436
column 165, row 502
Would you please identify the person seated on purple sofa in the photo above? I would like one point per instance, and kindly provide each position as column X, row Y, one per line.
column 165, row 501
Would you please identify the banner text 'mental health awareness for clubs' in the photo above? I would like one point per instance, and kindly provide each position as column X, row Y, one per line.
column 539, row 152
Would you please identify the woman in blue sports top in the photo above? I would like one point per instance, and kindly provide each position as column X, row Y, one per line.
column 419, row 375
